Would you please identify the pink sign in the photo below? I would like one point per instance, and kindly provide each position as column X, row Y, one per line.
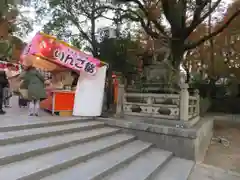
column 59, row 52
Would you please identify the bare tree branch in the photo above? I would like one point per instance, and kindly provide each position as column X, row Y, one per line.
column 169, row 10
column 146, row 25
column 72, row 18
column 155, row 22
column 199, row 6
column 219, row 30
column 183, row 7
column 197, row 19
column 105, row 17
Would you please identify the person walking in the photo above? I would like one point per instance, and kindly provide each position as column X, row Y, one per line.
column 3, row 84
column 6, row 96
column 33, row 81
column 12, row 74
column 7, row 93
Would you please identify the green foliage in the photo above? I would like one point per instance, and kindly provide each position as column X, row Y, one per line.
column 20, row 23
column 5, row 49
column 14, row 22
column 23, row 26
column 19, row 44
column 4, row 5
column 121, row 54
column 205, row 104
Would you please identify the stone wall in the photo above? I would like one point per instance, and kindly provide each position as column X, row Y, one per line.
column 188, row 143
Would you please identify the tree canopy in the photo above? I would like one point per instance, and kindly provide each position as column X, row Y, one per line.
column 183, row 17
column 226, row 49
column 75, row 21
column 121, row 53
column 12, row 24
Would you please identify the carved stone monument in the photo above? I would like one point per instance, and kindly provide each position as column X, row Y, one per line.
column 158, row 73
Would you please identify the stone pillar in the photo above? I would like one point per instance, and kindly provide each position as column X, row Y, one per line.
column 196, row 94
column 184, row 102
column 120, row 100
column 150, row 100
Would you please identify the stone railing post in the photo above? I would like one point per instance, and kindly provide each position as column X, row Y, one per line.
column 150, row 100
column 196, row 94
column 120, row 100
column 184, row 102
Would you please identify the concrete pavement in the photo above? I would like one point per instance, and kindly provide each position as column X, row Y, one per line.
column 208, row 172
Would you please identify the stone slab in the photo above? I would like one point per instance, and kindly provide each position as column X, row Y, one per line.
column 154, row 158
column 166, row 122
column 19, row 151
column 33, row 168
column 188, row 143
column 29, row 132
column 176, row 169
column 15, row 126
column 102, row 164
column 152, row 128
column 206, row 172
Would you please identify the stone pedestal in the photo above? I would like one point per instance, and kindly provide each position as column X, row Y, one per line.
column 189, row 143
column 155, row 72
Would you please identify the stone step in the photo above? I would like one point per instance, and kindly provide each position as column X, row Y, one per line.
column 175, row 169
column 12, row 137
column 137, row 124
column 21, row 151
column 50, row 163
column 100, row 166
column 143, row 167
column 38, row 124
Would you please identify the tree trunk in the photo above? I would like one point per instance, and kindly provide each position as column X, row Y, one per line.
column 211, row 43
column 211, row 91
column 177, row 53
column 110, row 96
column 93, row 30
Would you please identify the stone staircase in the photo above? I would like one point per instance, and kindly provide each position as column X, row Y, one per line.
column 83, row 150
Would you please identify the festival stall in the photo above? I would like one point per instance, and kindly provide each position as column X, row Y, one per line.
column 5, row 64
column 61, row 61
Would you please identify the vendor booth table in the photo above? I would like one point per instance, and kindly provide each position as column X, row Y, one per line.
column 59, row 102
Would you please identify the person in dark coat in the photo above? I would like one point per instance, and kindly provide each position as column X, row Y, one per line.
column 33, row 81
column 3, row 84
column 7, row 94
